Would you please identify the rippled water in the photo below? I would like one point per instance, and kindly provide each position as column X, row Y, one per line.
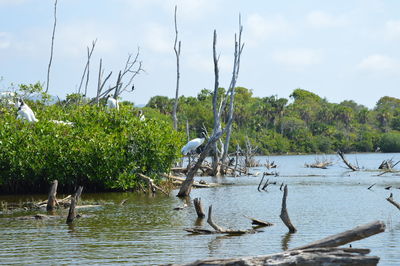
column 146, row 230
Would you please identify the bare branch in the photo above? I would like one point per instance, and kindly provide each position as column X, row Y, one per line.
column 89, row 55
column 177, row 54
column 52, row 46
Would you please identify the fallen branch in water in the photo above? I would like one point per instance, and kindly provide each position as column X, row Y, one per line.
column 349, row 165
column 391, row 200
column 258, row 222
column 151, row 184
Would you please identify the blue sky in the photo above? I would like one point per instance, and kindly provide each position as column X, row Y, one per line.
column 341, row 50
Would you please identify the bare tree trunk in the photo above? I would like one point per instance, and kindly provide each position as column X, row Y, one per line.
column 177, row 53
column 86, row 69
column 217, row 118
column 235, row 73
column 52, row 46
column 284, row 213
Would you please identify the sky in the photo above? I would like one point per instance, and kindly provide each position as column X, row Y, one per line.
column 340, row 50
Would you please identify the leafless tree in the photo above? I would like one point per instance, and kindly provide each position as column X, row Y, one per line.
column 218, row 130
column 52, row 46
column 177, row 53
column 87, row 67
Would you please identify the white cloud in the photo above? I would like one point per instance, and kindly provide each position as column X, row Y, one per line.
column 320, row 19
column 158, row 38
column 298, row 58
column 4, row 40
column 392, row 29
column 379, row 63
column 259, row 28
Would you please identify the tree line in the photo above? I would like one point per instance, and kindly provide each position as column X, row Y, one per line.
column 304, row 123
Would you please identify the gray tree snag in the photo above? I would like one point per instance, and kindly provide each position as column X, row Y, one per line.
column 86, row 69
column 220, row 156
column 52, row 46
column 177, row 54
column 284, row 213
column 217, row 131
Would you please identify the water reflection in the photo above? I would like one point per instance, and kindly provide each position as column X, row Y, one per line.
column 286, row 240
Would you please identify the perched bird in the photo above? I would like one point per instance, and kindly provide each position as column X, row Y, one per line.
column 141, row 115
column 25, row 112
column 192, row 145
column 112, row 103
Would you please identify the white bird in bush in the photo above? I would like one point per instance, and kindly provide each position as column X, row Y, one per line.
column 25, row 112
column 112, row 103
column 192, row 145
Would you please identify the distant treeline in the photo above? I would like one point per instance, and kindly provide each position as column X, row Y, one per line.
column 308, row 124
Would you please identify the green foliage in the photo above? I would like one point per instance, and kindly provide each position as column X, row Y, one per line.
column 390, row 142
column 103, row 150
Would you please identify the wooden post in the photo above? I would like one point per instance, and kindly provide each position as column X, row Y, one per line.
column 199, row 208
column 52, row 200
column 284, row 213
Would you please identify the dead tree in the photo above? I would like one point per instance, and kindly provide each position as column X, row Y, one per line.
column 220, row 155
column 284, row 213
column 100, row 82
column 87, row 67
column 177, row 54
column 52, row 200
column 349, row 165
column 52, row 46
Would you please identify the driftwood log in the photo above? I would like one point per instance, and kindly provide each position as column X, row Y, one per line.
column 324, row 252
column 284, row 213
column 218, row 229
column 258, row 222
column 52, row 200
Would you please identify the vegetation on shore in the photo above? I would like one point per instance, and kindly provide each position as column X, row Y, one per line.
column 103, row 149
column 305, row 123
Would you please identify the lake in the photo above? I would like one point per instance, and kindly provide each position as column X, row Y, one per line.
column 146, row 230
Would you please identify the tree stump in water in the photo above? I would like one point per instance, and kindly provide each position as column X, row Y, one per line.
column 284, row 213
column 199, row 208
column 52, row 200
column 74, row 200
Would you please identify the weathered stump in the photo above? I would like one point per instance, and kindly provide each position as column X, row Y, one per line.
column 284, row 213
column 199, row 208
column 52, row 200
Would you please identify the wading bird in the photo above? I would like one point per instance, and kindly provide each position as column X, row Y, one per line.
column 112, row 103
column 192, row 145
column 25, row 112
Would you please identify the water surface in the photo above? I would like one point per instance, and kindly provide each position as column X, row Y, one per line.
column 146, row 230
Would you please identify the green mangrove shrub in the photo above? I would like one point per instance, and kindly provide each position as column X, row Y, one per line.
column 103, row 149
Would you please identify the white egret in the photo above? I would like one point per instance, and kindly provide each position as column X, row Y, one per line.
column 112, row 103
column 25, row 112
column 192, row 145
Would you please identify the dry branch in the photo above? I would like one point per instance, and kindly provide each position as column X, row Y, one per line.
column 52, row 46
column 258, row 222
column 349, row 165
column 391, row 200
column 151, row 184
